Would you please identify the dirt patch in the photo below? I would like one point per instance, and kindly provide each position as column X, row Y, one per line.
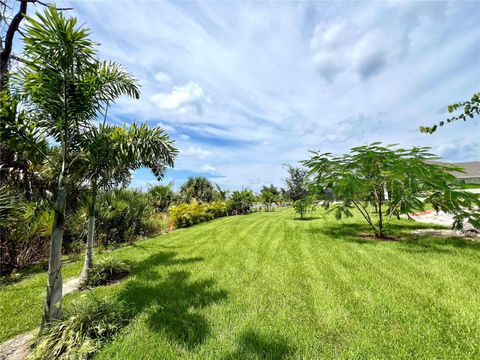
column 71, row 286
column 378, row 238
column 17, row 348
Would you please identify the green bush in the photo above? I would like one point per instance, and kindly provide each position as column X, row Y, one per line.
column 123, row 215
column 303, row 206
column 86, row 326
column 105, row 271
column 184, row 215
column 242, row 201
column 156, row 224
column 25, row 240
column 161, row 197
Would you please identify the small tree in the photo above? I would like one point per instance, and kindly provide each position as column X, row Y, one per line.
column 269, row 195
column 297, row 183
column 242, row 201
column 65, row 86
column 109, row 153
column 386, row 181
column 303, row 206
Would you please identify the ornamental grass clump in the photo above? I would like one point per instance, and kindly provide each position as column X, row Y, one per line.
column 105, row 271
column 87, row 324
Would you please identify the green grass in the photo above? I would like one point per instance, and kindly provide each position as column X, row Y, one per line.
column 265, row 286
column 471, row 186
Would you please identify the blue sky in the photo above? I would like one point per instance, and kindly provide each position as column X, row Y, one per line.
column 246, row 87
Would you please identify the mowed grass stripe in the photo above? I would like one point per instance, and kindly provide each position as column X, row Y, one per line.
column 265, row 286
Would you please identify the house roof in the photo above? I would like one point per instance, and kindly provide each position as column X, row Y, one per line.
column 472, row 169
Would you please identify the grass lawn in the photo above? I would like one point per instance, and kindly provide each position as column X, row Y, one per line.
column 471, row 186
column 264, row 286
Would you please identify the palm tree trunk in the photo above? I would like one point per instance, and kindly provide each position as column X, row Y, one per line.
column 52, row 308
column 88, row 263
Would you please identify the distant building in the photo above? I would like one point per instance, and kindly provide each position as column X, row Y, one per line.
column 471, row 174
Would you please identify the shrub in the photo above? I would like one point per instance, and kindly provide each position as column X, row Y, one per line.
column 303, row 206
column 105, row 271
column 197, row 188
column 86, row 326
column 123, row 215
column 184, row 215
column 25, row 241
column 161, row 197
column 155, row 224
column 242, row 201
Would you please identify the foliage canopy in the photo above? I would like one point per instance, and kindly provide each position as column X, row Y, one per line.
column 386, row 181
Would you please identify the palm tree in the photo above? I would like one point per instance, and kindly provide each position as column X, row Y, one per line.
column 220, row 194
column 110, row 153
column 197, row 188
column 161, row 196
column 66, row 87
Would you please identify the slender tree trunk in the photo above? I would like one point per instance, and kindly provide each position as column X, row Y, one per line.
column 52, row 308
column 88, row 263
column 381, row 231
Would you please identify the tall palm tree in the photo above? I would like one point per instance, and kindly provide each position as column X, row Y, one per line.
column 66, row 87
column 110, row 152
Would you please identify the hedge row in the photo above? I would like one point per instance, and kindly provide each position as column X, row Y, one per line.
column 184, row 215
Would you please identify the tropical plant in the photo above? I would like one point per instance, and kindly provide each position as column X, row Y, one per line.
column 297, row 183
column 303, row 206
column 184, row 215
column 65, row 87
column 269, row 195
column 88, row 324
column 161, row 196
column 469, row 109
column 109, row 153
column 382, row 182
column 220, row 194
column 123, row 215
column 197, row 188
column 105, row 271
column 242, row 201
column 23, row 149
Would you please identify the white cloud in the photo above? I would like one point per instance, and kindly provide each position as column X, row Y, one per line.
column 271, row 101
column 459, row 150
column 163, row 77
column 182, row 98
column 341, row 46
column 195, row 151
column 208, row 168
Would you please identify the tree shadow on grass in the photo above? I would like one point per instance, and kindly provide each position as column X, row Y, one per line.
column 352, row 232
column 307, row 218
column 22, row 274
column 252, row 345
column 171, row 303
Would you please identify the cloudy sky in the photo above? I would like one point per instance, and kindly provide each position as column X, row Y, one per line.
column 246, row 87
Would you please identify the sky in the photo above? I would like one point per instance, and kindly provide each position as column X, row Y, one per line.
column 247, row 87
